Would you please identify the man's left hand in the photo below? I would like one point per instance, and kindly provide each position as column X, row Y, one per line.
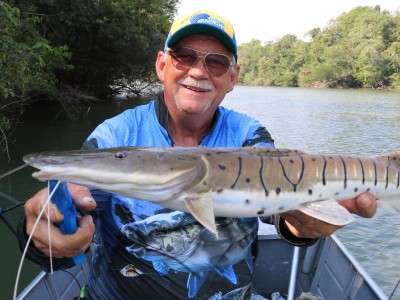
column 304, row 226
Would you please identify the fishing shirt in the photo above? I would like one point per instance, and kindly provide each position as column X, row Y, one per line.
column 145, row 251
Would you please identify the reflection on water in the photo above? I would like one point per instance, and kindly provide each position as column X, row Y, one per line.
column 315, row 120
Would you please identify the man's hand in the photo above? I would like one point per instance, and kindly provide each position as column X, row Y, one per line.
column 61, row 245
column 304, row 226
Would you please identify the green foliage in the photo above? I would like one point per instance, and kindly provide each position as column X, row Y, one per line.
column 357, row 49
column 111, row 42
column 72, row 50
column 28, row 64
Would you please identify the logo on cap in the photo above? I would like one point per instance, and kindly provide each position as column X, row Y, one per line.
column 207, row 19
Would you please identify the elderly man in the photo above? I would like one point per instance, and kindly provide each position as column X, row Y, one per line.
column 145, row 251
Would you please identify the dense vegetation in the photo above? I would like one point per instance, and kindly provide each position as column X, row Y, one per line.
column 73, row 50
column 360, row 48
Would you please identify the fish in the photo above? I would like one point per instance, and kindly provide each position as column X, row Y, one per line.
column 229, row 182
column 175, row 241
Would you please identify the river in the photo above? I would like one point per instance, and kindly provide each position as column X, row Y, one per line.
column 362, row 122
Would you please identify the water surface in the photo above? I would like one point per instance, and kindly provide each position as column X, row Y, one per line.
column 362, row 122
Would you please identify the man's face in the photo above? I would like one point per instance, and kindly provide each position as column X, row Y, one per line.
column 193, row 90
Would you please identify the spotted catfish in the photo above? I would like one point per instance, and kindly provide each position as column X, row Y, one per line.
column 229, row 182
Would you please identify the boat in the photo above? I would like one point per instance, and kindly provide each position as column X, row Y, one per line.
column 326, row 270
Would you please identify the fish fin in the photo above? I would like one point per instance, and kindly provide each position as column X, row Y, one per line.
column 227, row 272
column 201, row 207
column 329, row 211
column 249, row 260
column 195, row 281
column 161, row 267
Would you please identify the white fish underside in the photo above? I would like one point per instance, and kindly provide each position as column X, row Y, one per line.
column 229, row 182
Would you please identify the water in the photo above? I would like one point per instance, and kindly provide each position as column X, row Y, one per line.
column 361, row 122
column 315, row 120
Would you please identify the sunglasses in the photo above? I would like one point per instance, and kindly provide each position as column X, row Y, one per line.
column 183, row 58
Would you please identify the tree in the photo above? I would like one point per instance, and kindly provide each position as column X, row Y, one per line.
column 28, row 66
column 112, row 42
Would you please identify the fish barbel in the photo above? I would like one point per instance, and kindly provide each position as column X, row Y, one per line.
column 229, row 182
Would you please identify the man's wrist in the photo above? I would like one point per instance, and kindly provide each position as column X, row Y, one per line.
column 289, row 237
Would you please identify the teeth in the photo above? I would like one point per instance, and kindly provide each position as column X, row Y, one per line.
column 194, row 89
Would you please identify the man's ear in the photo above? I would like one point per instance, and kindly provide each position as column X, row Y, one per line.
column 234, row 78
column 160, row 65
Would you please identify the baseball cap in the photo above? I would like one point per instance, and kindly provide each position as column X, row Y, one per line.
column 203, row 22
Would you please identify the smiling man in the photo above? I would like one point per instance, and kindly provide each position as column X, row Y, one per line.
column 146, row 251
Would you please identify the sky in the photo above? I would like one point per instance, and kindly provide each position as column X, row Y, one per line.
column 267, row 20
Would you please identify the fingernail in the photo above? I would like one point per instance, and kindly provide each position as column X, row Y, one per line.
column 364, row 201
column 87, row 200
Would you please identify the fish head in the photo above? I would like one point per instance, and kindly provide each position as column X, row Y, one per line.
column 137, row 172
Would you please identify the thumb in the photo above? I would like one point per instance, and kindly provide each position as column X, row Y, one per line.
column 82, row 197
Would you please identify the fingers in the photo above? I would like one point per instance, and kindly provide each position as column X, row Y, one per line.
column 364, row 205
column 82, row 197
column 302, row 225
column 62, row 245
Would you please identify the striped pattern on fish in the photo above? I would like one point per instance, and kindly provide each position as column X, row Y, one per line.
column 230, row 182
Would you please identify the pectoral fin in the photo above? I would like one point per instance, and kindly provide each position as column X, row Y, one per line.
column 201, row 207
column 329, row 211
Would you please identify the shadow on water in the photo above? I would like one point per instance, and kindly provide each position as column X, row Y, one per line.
column 43, row 128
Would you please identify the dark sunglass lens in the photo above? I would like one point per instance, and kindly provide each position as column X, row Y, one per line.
column 217, row 64
column 184, row 57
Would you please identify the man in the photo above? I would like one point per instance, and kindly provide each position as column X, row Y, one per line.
column 145, row 251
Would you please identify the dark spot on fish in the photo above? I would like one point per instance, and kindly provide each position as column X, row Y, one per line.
column 171, row 169
column 161, row 155
column 248, row 180
column 260, row 212
column 291, row 161
column 337, row 194
column 355, row 190
column 367, row 189
column 208, row 154
column 222, row 167
column 247, row 201
column 204, row 182
column 220, row 190
column 278, row 190
column 313, row 159
column 320, row 196
column 280, row 208
column 181, row 158
column 310, row 192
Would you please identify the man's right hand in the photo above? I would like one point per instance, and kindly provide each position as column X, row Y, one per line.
column 61, row 245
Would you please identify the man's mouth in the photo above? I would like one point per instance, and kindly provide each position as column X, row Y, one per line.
column 196, row 89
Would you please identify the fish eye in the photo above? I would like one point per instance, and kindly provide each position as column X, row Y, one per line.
column 120, row 155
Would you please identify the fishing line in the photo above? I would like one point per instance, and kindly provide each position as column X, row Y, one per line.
column 394, row 290
column 9, row 198
column 30, row 238
column 13, row 170
column 383, row 248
